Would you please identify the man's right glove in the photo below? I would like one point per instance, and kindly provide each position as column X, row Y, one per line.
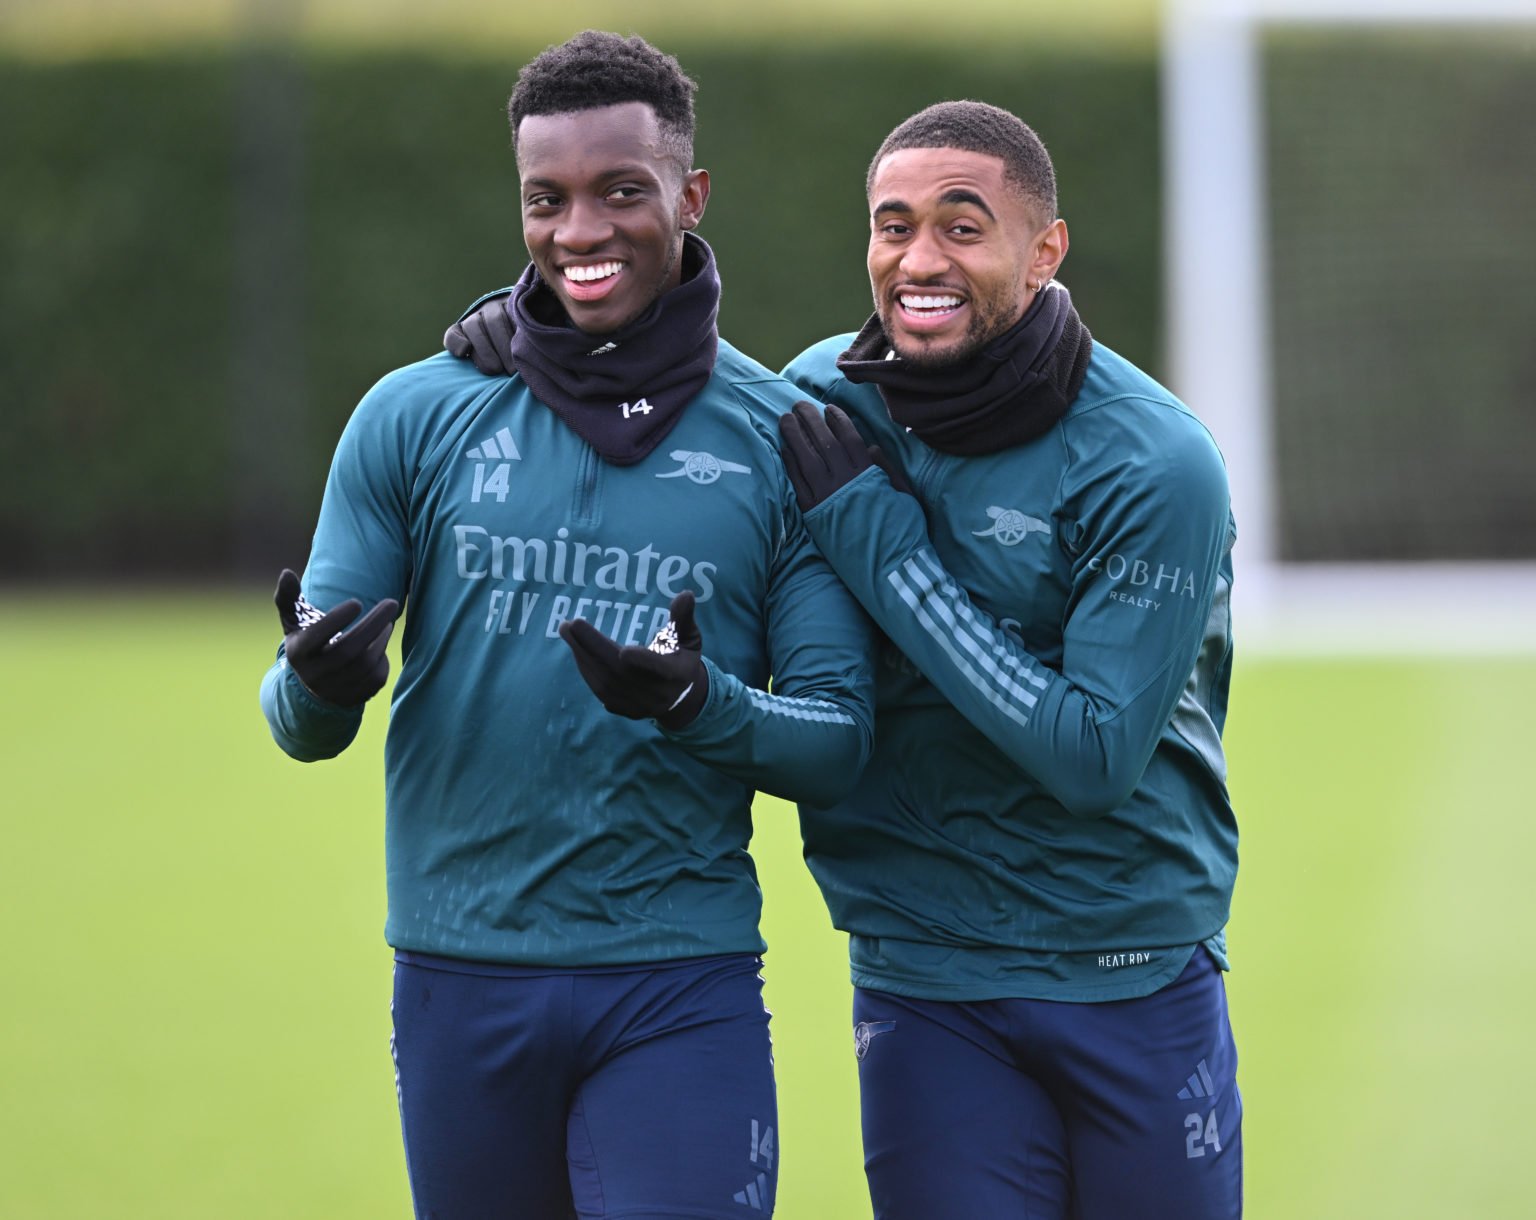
column 823, row 451
column 665, row 682
column 484, row 338
column 339, row 666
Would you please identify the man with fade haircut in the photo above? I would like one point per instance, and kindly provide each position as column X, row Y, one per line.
column 578, row 1018
column 1036, row 866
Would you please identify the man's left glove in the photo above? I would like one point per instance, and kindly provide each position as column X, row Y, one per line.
column 343, row 667
column 484, row 338
column 665, row 681
column 824, row 452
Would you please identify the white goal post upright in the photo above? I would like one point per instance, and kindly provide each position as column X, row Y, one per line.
column 1218, row 357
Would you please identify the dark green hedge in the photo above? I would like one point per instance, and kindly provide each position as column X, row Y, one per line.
column 207, row 261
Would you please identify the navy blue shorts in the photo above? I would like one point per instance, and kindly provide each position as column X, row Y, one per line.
column 1039, row 1110
column 642, row 1093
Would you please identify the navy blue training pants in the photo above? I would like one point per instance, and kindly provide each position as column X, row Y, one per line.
column 1039, row 1110
column 641, row 1094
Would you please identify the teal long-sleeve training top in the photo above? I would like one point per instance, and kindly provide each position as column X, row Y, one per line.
column 524, row 823
column 1045, row 813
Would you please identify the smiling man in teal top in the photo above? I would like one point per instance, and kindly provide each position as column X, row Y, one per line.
column 578, row 1019
column 1036, row 866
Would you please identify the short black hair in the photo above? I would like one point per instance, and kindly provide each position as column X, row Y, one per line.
column 596, row 69
column 978, row 127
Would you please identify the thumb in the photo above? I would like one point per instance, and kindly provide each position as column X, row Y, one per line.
column 286, row 598
column 681, row 612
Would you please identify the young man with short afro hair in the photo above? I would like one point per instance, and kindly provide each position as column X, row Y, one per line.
column 603, row 565
column 596, row 69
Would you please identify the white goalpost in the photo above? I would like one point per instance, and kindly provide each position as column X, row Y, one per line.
column 1221, row 326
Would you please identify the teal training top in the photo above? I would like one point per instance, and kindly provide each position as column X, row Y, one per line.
column 524, row 823
column 1045, row 813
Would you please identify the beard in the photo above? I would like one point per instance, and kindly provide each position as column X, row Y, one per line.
column 989, row 319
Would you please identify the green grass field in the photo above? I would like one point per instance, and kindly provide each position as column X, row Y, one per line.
column 195, row 1014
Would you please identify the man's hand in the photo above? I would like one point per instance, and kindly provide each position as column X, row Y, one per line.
column 665, row 682
column 485, row 338
column 343, row 667
column 823, row 453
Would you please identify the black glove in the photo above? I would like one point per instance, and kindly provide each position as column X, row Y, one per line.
column 484, row 337
column 822, row 454
column 665, row 682
column 342, row 667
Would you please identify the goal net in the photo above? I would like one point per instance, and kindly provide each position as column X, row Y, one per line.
column 1351, row 257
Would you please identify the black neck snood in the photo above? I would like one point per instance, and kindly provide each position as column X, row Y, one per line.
column 664, row 356
column 1010, row 392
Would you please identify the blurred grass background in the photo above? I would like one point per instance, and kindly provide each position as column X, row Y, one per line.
column 196, row 989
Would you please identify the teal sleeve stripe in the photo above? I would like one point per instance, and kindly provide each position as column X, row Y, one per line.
column 923, row 597
column 986, row 633
column 949, row 604
column 798, row 709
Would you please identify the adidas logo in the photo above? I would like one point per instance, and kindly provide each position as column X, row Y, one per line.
column 1198, row 1085
column 493, row 480
column 498, row 448
column 755, row 1194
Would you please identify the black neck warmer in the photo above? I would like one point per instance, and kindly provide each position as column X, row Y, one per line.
column 664, row 357
column 1010, row 392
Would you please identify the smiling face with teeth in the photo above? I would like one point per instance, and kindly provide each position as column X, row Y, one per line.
column 605, row 207
column 955, row 252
